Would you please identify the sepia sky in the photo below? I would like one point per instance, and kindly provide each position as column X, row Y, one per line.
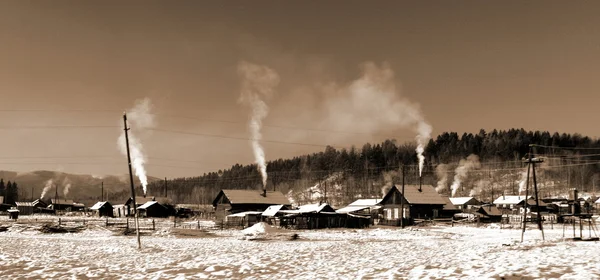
column 466, row 64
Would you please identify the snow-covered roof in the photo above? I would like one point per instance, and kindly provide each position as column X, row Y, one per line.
column 416, row 194
column 272, row 210
column 98, row 205
column 243, row 214
column 349, row 209
column 315, row 208
column 147, row 204
column 365, row 202
column 460, row 200
column 598, row 201
column 510, row 199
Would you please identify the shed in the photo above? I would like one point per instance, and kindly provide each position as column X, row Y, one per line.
column 229, row 202
column 490, row 213
column 103, row 209
column 13, row 214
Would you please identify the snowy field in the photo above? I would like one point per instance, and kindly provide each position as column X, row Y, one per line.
column 378, row 253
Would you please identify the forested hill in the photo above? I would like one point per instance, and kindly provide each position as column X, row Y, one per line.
column 363, row 171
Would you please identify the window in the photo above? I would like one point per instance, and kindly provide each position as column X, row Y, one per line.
column 396, row 213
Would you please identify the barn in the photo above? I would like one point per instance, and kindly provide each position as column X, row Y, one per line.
column 229, row 202
column 420, row 202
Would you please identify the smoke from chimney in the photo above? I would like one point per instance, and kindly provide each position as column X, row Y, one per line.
column 47, row 187
column 441, row 172
column 258, row 83
column 464, row 166
column 140, row 119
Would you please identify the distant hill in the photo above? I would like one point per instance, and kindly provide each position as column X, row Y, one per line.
column 84, row 188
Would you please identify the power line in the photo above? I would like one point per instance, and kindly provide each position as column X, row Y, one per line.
column 566, row 148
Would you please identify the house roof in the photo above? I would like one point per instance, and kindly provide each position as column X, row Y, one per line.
column 449, row 205
column 272, row 210
column 315, row 208
column 510, row 199
column 461, row 200
column 24, row 204
column 99, row 205
column 427, row 195
column 365, row 202
column 253, row 197
column 598, row 201
column 148, row 205
column 489, row 210
column 360, row 204
column 61, row 201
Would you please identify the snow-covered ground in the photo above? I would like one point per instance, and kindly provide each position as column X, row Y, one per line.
column 378, row 253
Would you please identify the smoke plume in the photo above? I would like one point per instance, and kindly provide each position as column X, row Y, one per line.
column 441, row 171
column 479, row 187
column 464, row 166
column 139, row 119
column 258, row 83
column 388, row 178
column 523, row 182
column 46, row 188
column 374, row 104
column 66, row 186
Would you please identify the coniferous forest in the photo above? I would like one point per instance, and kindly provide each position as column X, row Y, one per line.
column 492, row 164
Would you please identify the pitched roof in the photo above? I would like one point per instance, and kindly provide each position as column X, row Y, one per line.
column 461, row 200
column 427, row 195
column 61, row 201
column 99, row 205
column 510, row 199
column 315, row 208
column 449, row 205
column 598, row 201
column 365, row 202
column 272, row 210
column 24, row 204
column 253, row 197
column 148, row 205
column 489, row 210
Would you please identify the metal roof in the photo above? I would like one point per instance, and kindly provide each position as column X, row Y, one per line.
column 253, row 197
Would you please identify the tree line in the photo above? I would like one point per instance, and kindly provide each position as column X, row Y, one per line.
column 342, row 175
column 10, row 192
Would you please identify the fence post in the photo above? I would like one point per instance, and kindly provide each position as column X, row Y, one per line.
column 153, row 225
column 58, row 221
column 127, row 226
column 198, row 221
column 174, row 222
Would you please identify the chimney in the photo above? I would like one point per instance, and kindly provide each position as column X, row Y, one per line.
column 264, row 191
column 420, row 184
column 142, row 187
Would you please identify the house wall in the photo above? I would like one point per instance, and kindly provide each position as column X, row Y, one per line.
column 25, row 210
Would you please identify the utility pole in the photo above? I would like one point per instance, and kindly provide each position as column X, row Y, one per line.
column 165, row 186
column 531, row 165
column 402, row 198
column 102, row 191
column 135, row 212
column 525, row 204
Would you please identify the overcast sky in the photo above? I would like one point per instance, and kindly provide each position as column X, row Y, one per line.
column 465, row 65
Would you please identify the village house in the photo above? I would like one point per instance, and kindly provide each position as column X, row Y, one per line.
column 66, row 205
column 228, row 202
column 489, row 213
column 153, row 209
column 29, row 208
column 465, row 203
column 509, row 202
column 103, row 209
column 449, row 208
column 420, row 202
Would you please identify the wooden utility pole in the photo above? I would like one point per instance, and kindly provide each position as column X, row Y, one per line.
column 402, row 198
column 102, row 191
column 135, row 212
column 525, row 204
column 165, row 186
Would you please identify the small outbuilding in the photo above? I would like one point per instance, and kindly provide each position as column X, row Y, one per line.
column 153, row 209
column 103, row 209
column 465, row 203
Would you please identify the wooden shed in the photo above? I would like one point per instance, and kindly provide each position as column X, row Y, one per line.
column 153, row 209
column 103, row 209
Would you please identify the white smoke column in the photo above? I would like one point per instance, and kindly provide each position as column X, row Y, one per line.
column 523, row 182
column 258, row 83
column 374, row 104
column 464, row 166
column 46, row 188
column 139, row 119
column 479, row 187
column 441, row 171
column 66, row 189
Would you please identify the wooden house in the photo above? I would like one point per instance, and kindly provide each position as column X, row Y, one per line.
column 368, row 207
column 103, row 209
column 153, row 209
column 229, row 202
column 490, row 213
column 127, row 209
column 465, row 204
column 449, row 208
column 420, row 202
column 65, row 205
